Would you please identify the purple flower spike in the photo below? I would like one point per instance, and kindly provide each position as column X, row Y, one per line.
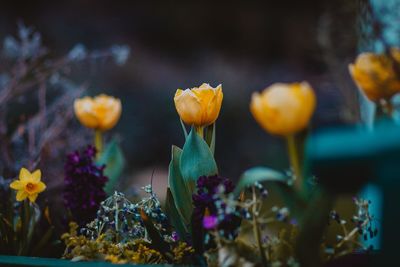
column 210, row 222
column 83, row 185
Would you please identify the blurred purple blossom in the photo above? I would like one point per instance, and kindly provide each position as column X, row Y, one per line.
column 210, row 222
column 83, row 185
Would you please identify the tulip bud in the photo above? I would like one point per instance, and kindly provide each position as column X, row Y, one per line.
column 199, row 106
column 375, row 75
column 101, row 112
column 284, row 109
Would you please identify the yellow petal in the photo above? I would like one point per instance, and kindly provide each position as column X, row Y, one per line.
column 374, row 75
column 84, row 111
column 188, row 107
column 17, row 185
column 108, row 111
column 284, row 109
column 32, row 198
column 40, row 187
column 36, row 175
column 24, row 175
column 21, row 195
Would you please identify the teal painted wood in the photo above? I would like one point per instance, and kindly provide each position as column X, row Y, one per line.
column 49, row 262
column 348, row 158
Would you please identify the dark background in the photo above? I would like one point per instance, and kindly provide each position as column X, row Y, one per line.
column 245, row 45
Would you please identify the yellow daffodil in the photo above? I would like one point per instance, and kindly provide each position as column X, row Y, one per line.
column 29, row 185
column 375, row 74
column 284, row 109
column 199, row 106
column 101, row 112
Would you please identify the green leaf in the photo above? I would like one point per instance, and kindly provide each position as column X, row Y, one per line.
column 259, row 174
column 114, row 160
column 197, row 159
column 184, row 129
column 210, row 137
column 157, row 241
column 180, row 191
column 174, row 216
column 312, row 228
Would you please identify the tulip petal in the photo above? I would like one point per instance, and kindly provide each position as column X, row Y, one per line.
column 112, row 116
column 189, row 107
column 84, row 112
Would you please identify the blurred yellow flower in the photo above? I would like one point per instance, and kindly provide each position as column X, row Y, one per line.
column 29, row 185
column 101, row 112
column 374, row 74
column 199, row 106
column 284, row 109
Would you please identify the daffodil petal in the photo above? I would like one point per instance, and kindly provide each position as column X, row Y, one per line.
column 21, row 195
column 36, row 175
column 24, row 174
column 17, row 185
column 40, row 187
column 32, row 198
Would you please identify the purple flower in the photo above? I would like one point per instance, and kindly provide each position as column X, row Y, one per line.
column 210, row 222
column 206, row 199
column 175, row 236
column 83, row 185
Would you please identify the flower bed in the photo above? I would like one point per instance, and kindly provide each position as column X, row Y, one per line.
column 207, row 219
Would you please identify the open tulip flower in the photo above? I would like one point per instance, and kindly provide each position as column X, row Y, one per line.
column 101, row 112
column 29, row 185
column 284, row 109
column 375, row 74
column 199, row 106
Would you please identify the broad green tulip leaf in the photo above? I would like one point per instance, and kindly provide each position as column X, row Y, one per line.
column 180, row 192
column 114, row 160
column 174, row 217
column 210, row 136
column 259, row 174
column 197, row 159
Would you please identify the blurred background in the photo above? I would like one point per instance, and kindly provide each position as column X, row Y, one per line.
column 244, row 45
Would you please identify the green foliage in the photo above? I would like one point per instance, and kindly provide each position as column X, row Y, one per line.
column 23, row 232
column 175, row 218
column 197, row 159
column 114, row 160
column 180, row 189
column 259, row 174
column 210, row 136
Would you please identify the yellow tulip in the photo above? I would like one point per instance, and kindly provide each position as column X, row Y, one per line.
column 199, row 106
column 374, row 74
column 29, row 185
column 101, row 112
column 284, row 109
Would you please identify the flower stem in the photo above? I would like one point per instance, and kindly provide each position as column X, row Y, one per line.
column 257, row 231
column 294, row 161
column 200, row 131
column 98, row 142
